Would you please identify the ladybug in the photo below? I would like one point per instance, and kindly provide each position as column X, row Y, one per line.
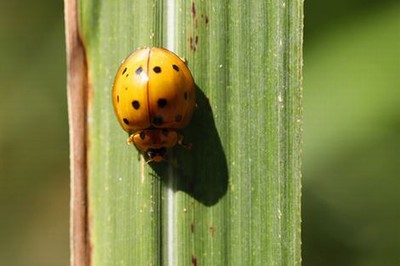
column 153, row 95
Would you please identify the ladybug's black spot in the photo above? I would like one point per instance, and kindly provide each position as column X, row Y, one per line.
column 186, row 95
column 123, row 72
column 162, row 103
column 126, row 121
column 158, row 120
column 136, row 105
column 139, row 70
column 178, row 118
column 142, row 135
column 175, row 67
column 157, row 69
column 165, row 132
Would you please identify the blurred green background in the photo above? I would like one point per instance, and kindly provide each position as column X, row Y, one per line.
column 351, row 177
column 351, row 199
column 34, row 175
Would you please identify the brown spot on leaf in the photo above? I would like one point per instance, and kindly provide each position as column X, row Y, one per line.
column 192, row 45
column 192, row 227
column 212, row 231
column 193, row 9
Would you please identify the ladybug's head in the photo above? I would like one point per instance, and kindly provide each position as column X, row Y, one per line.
column 157, row 155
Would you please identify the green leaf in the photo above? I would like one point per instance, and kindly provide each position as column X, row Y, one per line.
column 234, row 198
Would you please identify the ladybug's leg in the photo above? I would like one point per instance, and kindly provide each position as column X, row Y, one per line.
column 147, row 159
column 184, row 60
column 185, row 145
column 130, row 139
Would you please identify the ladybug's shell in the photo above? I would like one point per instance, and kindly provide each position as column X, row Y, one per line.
column 153, row 88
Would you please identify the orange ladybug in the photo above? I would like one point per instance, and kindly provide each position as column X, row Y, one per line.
column 153, row 95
